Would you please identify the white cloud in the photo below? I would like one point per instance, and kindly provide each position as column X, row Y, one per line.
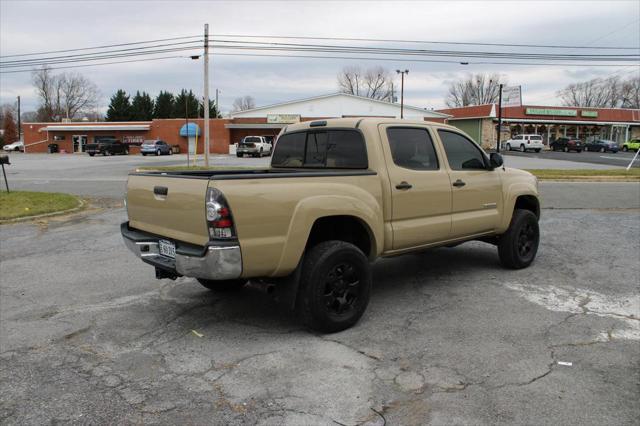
column 42, row 26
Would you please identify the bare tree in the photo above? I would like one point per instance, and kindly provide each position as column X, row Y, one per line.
column 630, row 93
column 244, row 103
column 374, row 83
column 63, row 95
column 478, row 89
column 597, row 93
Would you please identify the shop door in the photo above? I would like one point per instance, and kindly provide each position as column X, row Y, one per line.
column 79, row 142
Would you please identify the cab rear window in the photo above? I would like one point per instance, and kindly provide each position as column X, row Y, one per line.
column 335, row 149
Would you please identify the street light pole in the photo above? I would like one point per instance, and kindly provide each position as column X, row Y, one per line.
column 402, row 73
column 206, row 95
column 19, row 124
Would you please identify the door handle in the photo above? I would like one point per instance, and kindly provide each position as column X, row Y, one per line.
column 160, row 190
column 404, row 185
column 459, row 183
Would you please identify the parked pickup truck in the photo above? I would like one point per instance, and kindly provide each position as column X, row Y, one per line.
column 255, row 146
column 339, row 194
column 106, row 147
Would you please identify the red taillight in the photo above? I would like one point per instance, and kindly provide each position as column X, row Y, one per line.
column 219, row 219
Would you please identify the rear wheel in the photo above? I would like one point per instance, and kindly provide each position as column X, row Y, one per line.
column 565, row 149
column 602, row 149
column 91, row 154
column 170, row 151
column 518, row 246
column 334, row 287
column 144, row 154
column 538, row 149
column 625, row 148
column 508, row 147
column 158, row 153
column 239, row 155
column 222, row 285
column 522, row 148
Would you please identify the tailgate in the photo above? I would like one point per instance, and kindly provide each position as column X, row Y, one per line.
column 178, row 215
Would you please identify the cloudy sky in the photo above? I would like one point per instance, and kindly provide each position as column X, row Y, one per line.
column 40, row 26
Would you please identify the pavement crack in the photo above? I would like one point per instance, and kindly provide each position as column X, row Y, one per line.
column 361, row 352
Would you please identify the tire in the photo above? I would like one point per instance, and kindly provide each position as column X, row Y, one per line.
column 586, row 148
column 522, row 148
column 158, row 153
column 602, row 150
column 538, row 150
column 170, row 151
column 625, row 149
column 518, row 246
column 578, row 151
column 508, row 147
column 222, row 285
column 144, row 154
column 91, row 155
column 126, row 152
column 335, row 286
column 239, row 155
column 565, row 149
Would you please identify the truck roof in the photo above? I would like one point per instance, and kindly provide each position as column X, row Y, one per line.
column 358, row 122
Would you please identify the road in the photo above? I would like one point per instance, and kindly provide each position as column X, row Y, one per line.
column 88, row 335
column 619, row 159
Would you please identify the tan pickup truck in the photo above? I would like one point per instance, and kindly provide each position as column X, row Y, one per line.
column 339, row 194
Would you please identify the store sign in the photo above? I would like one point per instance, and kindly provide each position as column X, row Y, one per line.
column 283, row 118
column 511, row 96
column 591, row 114
column 551, row 111
column 133, row 139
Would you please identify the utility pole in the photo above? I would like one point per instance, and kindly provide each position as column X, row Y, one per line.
column 402, row 73
column 186, row 125
column 206, row 95
column 19, row 126
column 499, row 118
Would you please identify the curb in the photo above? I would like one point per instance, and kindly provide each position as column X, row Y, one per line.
column 81, row 206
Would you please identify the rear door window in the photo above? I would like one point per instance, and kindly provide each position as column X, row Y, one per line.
column 412, row 148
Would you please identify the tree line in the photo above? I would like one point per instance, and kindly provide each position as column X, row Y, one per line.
column 141, row 107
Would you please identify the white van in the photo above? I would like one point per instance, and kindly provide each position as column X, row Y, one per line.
column 523, row 143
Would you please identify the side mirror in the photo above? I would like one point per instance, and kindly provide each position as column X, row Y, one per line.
column 496, row 160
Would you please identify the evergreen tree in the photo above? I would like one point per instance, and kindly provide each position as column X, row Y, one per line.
column 186, row 104
column 213, row 111
column 119, row 107
column 164, row 106
column 142, row 107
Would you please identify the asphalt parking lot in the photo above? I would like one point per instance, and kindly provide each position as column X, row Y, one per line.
column 618, row 159
column 88, row 335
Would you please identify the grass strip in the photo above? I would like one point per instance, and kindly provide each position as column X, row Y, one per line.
column 17, row 204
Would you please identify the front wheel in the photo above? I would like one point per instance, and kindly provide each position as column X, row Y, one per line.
column 518, row 246
column 335, row 286
column 91, row 155
column 522, row 148
column 565, row 149
column 625, row 149
column 222, row 285
column 538, row 150
column 158, row 153
column 508, row 147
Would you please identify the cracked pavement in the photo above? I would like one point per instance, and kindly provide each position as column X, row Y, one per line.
column 88, row 335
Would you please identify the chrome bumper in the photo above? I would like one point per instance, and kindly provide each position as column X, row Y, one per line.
column 218, row 262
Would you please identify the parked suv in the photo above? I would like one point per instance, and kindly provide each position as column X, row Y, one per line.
column 631, row 145
column 525, row 142
column 156, row 147
column 256, row 146
column 566, row 145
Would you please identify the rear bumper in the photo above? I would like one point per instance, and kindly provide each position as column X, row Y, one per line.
column 215, row 261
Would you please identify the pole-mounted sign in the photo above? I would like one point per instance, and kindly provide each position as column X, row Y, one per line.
column 509, row 96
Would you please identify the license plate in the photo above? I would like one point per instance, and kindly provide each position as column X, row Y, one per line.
column 167, row 248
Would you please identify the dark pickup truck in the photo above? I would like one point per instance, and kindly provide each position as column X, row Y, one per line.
column 106, row 147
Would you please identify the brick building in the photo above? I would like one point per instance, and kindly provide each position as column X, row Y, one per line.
column 551, row 122
column 263, row 121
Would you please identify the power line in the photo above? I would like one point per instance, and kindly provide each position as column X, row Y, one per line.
column 96, row 58
column 427, row 42
column 101, row 63
column 53, row 59
column 99, row 47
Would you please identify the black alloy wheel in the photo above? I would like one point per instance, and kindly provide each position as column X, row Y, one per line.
column 335, row 286
column 518, row 247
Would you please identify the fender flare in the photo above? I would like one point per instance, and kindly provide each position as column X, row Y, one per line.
column 310, row 209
